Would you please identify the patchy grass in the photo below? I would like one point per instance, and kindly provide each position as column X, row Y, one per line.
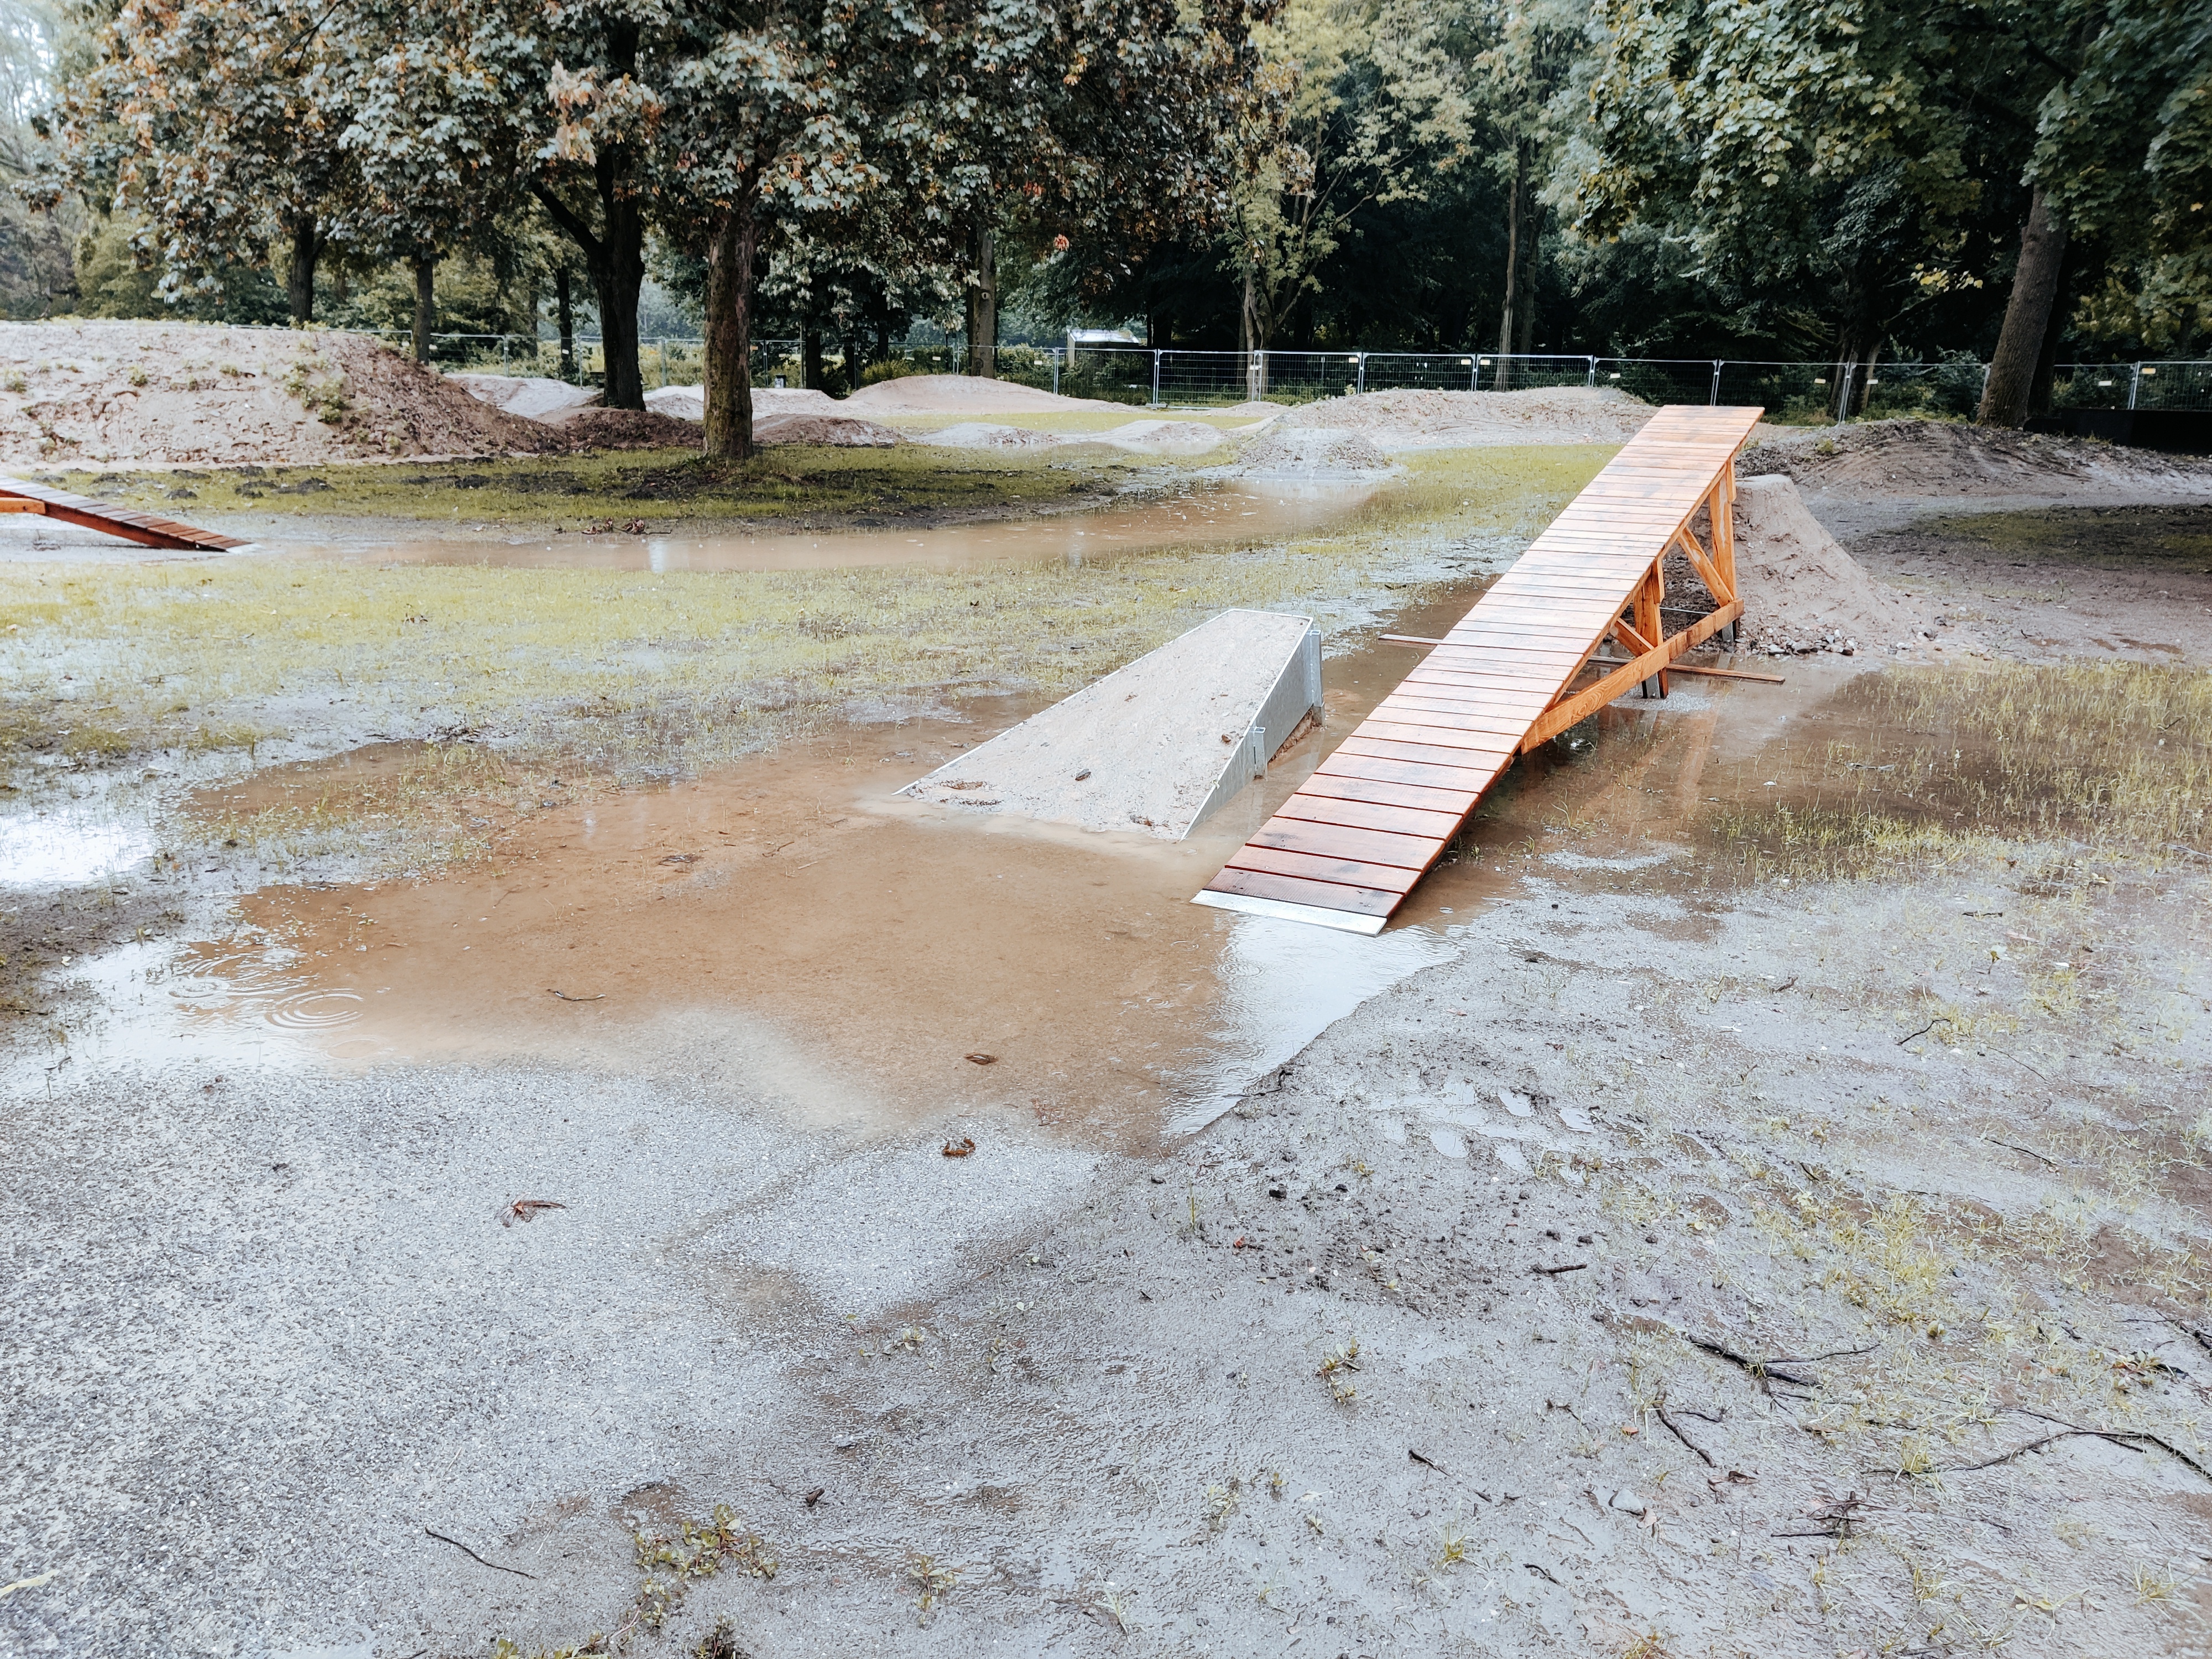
column 635, row 674
column 660, row 487
column 1950, row 770
column 2174, row 538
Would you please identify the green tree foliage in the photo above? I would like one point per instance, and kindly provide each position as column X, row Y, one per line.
column 1364, row 107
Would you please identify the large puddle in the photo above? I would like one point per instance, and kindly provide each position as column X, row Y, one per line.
column 1200, row 513
column 875, row 963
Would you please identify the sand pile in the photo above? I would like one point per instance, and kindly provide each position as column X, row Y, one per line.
column 1465, row 420
column 834, row 431
column 987, row 435
column 1133, row 437
column 782, row 415
column 963, row 394
column 1944, row 458
column 1310, row 450
column 167, row 393
column 688, row 403
column 1803, row 592
column 530, row 397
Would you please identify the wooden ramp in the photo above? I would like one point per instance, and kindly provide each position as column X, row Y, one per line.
column 1515, row 671
column 18, row 496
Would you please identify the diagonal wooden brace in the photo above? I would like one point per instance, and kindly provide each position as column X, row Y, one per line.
column 1573, row 709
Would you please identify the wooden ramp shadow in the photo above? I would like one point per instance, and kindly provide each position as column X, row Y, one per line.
column 17, row 495
column 1347, row 848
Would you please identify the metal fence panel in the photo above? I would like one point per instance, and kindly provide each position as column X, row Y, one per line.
column 1137, row 375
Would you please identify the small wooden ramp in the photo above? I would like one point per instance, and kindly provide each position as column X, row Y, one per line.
column 17, row 495
column 1515, row 671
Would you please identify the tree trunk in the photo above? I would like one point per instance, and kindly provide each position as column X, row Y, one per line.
column 300, row 280
column 983, row 308
column 1863, row 382
column 2046, row 362
column 1503, row 378
column 1532, row 227
column 564, row 308
column 730, row 333
column 809, row 357
column 2028, row 318
column 1252, row 328
column 426, row 306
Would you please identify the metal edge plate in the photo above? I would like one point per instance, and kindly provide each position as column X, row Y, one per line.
column 1344, row 921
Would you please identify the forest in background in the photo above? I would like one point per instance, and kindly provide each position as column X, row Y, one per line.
column 1837, row 181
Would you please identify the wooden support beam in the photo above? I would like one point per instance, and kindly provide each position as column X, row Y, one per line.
column 1579, row 707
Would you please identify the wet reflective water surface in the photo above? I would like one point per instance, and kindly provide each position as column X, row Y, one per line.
column 1202, row 514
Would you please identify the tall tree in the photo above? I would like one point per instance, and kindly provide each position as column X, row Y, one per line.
column 2124, row 155
column 1842, row 148
column 1372, row 106
column 217, row 123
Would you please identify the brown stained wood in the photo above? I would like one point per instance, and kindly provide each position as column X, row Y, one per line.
column 1369, row 814
column 1511, row 673
column 1454, row 803
column 1450, row 719
column 1426, row 738
column 1406, row 751
column 1475, row 779
column 143, row 528
column 1290, row 889
column 1339, row 840
column 1348, row 873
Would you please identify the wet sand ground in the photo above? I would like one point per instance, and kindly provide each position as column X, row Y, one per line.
column 1698, row 1233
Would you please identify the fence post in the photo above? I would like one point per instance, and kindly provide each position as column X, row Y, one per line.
column 1592, row 380
column 1715, row 399
column 2135, row 385
column 1055, row 371
column 1156, row 379
column 1362, row 381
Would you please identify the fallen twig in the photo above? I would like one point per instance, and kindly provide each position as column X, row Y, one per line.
column 565, row 997
column 526, row 1209
column 1760, row 1370
column 1921, row 1032
column 2024, row 1151
column 1422, row 1457
column 1541, row 1572
column 1553, row 1273
column 2069, row 1430
column 1659, row 1409
column 474, row 1556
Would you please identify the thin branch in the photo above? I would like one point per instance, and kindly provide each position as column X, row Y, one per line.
column 1659, row 1407
column 561, row 215
column 2067, row 1431
column 478, row 1559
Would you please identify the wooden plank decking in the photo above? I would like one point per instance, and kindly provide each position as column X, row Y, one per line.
column 18, row 496
column 1346, row 848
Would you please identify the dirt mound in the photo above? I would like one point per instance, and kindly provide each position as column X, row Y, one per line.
column 530, row 397
column 1801, row 591
column 170, row 393
column 1943, row 458
column 628, row 428
column 689, row 402
column 1311, row 449
column 835, row 431
column 987, row 435
column 962, row 394
column 1466, row 420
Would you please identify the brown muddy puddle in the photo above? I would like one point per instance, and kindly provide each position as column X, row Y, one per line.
column 849, row 954
column 1201, row 514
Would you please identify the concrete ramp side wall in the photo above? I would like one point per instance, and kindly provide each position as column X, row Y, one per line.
column 1295, row 694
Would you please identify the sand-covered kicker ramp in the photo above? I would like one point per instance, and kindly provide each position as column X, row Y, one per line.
column 1156, row 746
